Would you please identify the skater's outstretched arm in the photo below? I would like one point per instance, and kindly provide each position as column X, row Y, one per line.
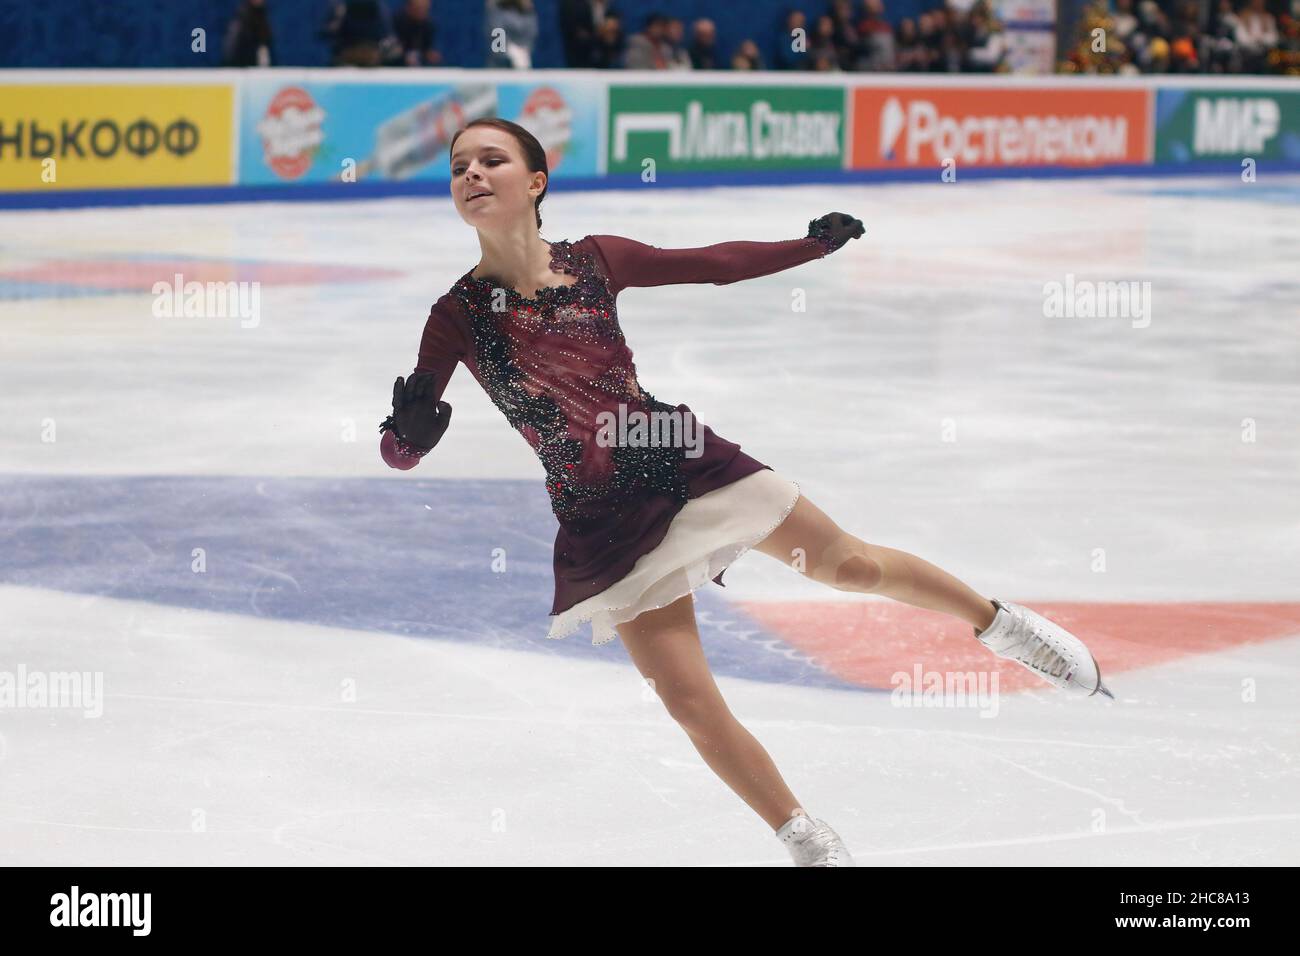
column 630, row 263
column 420, row 417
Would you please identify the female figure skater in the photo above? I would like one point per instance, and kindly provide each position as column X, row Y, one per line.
column 643, row 524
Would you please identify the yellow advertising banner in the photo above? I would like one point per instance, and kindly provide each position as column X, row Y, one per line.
column 73, row 136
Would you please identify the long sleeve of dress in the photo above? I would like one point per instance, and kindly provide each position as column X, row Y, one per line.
column 442, row 345
column 630, row 263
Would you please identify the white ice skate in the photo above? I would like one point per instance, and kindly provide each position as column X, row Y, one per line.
column 813, row 843
column 1049, row 650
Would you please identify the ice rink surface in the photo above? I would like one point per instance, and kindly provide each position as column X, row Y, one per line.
column 305, row 657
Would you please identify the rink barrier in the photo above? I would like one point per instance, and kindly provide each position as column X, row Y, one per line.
column 164, row 137
column 203, row 195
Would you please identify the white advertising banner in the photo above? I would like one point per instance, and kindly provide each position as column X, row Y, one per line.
column 1030, row 27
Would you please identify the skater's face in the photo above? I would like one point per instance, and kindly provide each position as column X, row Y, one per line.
column 491, row 184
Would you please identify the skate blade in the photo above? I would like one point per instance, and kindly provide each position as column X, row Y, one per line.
column 1102, row 688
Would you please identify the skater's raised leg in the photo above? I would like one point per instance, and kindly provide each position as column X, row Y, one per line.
column 809, row 541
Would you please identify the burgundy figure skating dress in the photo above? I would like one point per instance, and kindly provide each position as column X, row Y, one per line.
column 640, row 525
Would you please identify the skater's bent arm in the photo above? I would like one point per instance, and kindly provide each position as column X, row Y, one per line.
column 442, row 345
column 630, row 263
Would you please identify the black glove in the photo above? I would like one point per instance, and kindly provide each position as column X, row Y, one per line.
column 417, row 419
column 834, row 229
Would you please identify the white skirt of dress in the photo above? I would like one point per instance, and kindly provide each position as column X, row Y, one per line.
column 708, row 534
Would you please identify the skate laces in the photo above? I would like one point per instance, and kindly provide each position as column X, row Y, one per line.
column 1044, row 656
column 823, row 838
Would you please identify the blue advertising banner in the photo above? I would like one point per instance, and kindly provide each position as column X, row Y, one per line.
column 312, row 132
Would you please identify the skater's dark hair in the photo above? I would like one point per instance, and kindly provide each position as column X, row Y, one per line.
column 534, row 153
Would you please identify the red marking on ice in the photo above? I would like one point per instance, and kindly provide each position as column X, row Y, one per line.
column 865, row 643
column 141, row 274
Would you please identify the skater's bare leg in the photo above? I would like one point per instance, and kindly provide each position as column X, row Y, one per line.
column 665, row 646
column 810, row 541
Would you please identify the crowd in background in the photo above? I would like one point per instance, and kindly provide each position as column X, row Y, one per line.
column 1138, row 36
column 1185, row 37
column 849, row 36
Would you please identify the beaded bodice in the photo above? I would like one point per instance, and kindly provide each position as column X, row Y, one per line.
column 552, row 364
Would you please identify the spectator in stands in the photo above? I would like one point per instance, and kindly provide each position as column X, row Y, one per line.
column 607, row 50
column 1185, row 38
column 951, row 47
column 1151, row 38
column 985, row 45
column 929, row 26
column 645, row 50
column 1135, row 42
column 1256, row 35
column 416, row 31
column 704, row 45
column 823, row 52
column 1156, row 58
column 578, row 22
column 793, row 43
column 876, row 51
column 1224, row 22
column 1288, row 56
column 1182, row 55
column 912, row 55
column 1223, row 56
column 361, row 32
column 845, row 34
column 1152, row 21
column 511, row 33
column 248, row 37
column 676, row 56
column 747, row 57
column 1124, row 23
